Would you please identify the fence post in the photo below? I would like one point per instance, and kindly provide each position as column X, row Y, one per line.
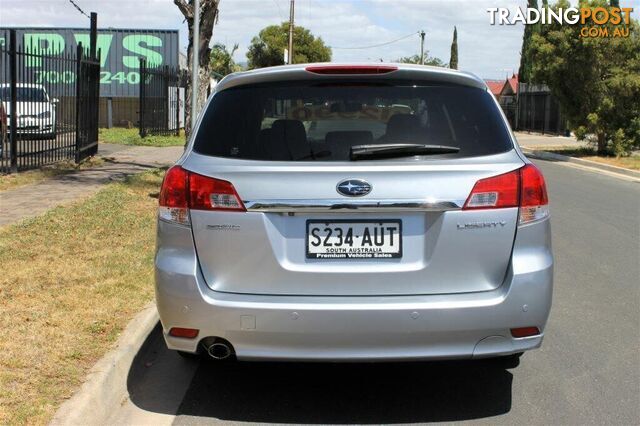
column 78, row 94
column 95, row 81
column 167, row 102
column 93, row 34
column 13, row 71
column 141, row 96
column 177, row 82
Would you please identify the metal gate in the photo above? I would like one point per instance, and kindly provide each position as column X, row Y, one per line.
column 87, row 98
column 161, row 100
column 48, row 106
column 539, row 111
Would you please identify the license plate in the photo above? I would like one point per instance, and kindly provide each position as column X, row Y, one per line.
column 354, row 239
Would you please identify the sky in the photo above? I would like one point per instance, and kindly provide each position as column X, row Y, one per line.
column 489, row 51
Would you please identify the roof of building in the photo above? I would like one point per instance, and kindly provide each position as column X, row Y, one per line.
column 513, row 83
column 495, row 86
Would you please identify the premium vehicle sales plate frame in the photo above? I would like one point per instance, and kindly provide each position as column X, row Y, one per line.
column 360, row 252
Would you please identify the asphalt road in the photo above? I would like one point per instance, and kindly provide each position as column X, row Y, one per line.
column 587, row 372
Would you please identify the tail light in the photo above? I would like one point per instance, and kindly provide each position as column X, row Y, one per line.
column 524, row 188
column 534, row 203
column 174, row 203
column 183, row 190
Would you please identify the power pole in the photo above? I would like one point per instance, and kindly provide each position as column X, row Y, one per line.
column 422, row 33
column 195, row 63
column 290, row 50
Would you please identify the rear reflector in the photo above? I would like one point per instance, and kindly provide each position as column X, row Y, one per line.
column 183, row 190
column 187, row 333
column 351, row 69
column 525, row 331
column 524, row 188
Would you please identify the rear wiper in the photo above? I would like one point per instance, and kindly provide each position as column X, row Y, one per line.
column 361, row 152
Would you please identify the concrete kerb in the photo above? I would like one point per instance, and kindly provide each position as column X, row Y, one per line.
column 545, row 155
column 106, row 384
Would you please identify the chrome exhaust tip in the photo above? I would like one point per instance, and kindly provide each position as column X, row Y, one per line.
column 219, row 351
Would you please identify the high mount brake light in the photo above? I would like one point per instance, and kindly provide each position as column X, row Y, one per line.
column 524, row 188
column 351, row 69
column 183, row 190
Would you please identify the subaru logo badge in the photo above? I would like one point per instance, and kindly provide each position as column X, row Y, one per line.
column 353, row 187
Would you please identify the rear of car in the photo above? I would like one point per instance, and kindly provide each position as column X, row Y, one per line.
column 353, row 212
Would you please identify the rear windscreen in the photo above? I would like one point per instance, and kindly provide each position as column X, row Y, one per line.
column 323, row 122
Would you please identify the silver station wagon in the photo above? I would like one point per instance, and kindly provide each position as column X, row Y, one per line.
column 353, row 212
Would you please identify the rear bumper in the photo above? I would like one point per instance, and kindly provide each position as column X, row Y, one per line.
column 349, row 328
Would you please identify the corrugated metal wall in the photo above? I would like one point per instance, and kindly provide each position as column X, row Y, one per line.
column 120, row 49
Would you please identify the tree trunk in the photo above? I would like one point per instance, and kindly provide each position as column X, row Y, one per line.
column 208, row 18
column 602, row 144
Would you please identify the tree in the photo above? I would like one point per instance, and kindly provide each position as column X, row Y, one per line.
column 596, row 79
column 267, row 49
column 615, row 3
column 428, row 60
column 525, row 52
column 222, row 62
column 453, row 61
column 208, row 18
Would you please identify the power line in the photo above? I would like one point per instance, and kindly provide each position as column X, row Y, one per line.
column 79, row 10
column 377, row 45
column 279, row 10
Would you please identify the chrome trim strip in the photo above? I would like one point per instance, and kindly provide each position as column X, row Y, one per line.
column 361, row 205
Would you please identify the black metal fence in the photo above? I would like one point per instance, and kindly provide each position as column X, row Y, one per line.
column 539, row 111
column 49, row 106
column 161, row 100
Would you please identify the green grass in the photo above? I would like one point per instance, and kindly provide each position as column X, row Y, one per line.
column 71, row 280
column 124, row 136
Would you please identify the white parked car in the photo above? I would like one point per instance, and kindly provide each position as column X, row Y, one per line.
column 36, row 112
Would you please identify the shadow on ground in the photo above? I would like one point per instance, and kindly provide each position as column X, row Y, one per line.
column 319, row 392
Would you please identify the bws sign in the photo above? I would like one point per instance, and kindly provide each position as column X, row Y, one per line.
column 120, row 49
